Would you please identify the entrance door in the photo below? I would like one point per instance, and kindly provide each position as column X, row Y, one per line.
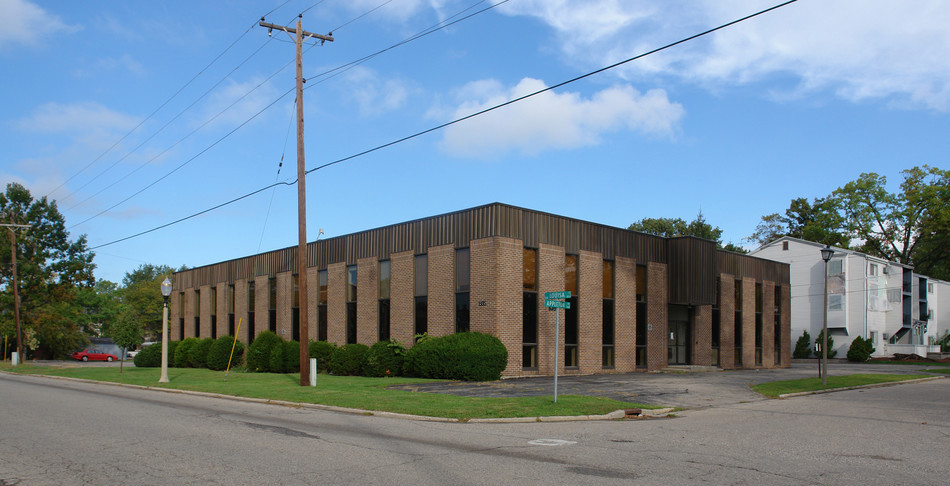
column 678, row 351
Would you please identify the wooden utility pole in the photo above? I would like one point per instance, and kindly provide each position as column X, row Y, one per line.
column 16, row 294
column 299, row 36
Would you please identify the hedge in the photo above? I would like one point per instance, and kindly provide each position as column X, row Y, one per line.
column 322, row 351
column 385, row 358
column 258, row 353
column 285, row 357
column 468, row 356
column 182, row 352
column 198, row 354
column 348, row 359
column 149, row 357
column 220, row 352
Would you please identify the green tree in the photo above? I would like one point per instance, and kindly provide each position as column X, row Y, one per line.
column 802, row 346
column 50, row 269
column 675, row 227
column 819, row 221
column 141, row 290
column 126, row 331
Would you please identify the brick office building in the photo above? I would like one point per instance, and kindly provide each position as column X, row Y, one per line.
column 639, row 301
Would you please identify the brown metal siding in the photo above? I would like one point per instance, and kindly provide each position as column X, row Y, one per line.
column 692, row 266
column 531, row 227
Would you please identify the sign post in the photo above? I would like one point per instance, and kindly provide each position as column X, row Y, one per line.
column 553, row 300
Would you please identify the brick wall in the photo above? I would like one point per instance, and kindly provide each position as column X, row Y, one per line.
column 173, row 315
column 727, row 321
column 285, row 300
column 701, row 331
column 657, row 318
column 748, row 323
column 402, row 297
column 625, row 314
column 590, row 310
column 484, row 266
column 550, row 279
column 786, row 313
column 221, row 309
column 204, row 326
column 367, row 301
column 261, row 302
column 313, row 290
column 441, row 321
column 336, row 303
column 240, row 310
column 768, row 324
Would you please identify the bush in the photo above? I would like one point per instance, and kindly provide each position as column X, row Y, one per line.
column 468, row 356
column 802, row 346
column 182, row 352
column 348, row 359
column 285, row 357
column 258, row 353
column 198, row 354
column 831, row 344
column 322, row 351
column 172, row 346
column 220, row 352
column 860, row 350
column 149, row 357
column 385, row 358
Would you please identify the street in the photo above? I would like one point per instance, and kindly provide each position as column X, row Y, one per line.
column 62, row 432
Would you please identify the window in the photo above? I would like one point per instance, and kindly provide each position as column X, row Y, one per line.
column 384, row 280
column 322, row 306
column 421, row 309
column 351, row 304
column 894, row 296
column 181, row 316
column 641, row 352
column 197, row 309
column 231, row 310
column 529, row 308
column 295, row 311
column 250, row 311
column 835, row 302
column 758, row 324
column 836, row 266
column 872, row 270
column 784, row 246
column 214, row 312
column 737, row 331
column 570, row 315
column 608, row 315
column 272, row 304
column 716, row 325
column 930, row 288
column 777, row 322
column 462, row 287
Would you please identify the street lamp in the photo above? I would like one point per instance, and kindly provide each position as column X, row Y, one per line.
column 166, row 291
column 826, row 254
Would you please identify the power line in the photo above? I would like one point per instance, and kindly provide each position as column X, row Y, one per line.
column 467, row 117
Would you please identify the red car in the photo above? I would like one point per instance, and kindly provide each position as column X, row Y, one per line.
column 92, row 354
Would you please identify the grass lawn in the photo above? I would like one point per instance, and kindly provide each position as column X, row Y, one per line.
column 343, row 391
column 939, row 370
column 776, row 388
column 914, row 363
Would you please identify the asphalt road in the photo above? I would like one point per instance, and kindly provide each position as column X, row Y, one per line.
column 61, row 432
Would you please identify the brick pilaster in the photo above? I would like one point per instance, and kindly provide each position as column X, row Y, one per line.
column 786, row 323
column 441, row 319
column 625, row 314
column 367, row 301
column 402, row 298
column 727, row 322
column 550, row 279
column 285, row 300
column 657, row 316
column 240, row 310
column 261, row 298
column 748, row 322
column 768, row 324
column 590, row 312
column 701, row 331
column 336, row 303
column 204, row 325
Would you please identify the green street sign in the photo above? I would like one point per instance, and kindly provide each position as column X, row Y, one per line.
column 557, row 304
column 558, row 295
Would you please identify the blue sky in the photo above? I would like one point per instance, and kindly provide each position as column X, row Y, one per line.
column 794, row 103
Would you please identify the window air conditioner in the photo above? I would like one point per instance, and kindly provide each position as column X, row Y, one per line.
column 885, row 270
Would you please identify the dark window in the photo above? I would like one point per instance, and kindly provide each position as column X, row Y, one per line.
column 322, row 306
column 421, row 291
column 250, row 312
column 295, row 312
column 758, row 324
column 608, row 315
column 570, row 315
column 778, row 325
column 529, row 318
column 462, row 286
column 351, row 304
column 214, row 312
column 384, row 280
column 738, row 324
column 272, row 304
column 197, row 309
column 181, row 316
column 231, row 310
column 641, row 352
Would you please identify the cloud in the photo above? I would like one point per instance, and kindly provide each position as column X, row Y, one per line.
column 79, row 119
column 373, row 95
column 552, row 120
column 860, row 50
column 21, row 24
column 235, row 103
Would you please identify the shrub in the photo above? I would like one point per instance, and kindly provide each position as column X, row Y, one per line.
column 285, row 357
column 468, row 356
column 198, row 354
column 258, row 353
column 322, row 351
column 172, row 346
column 385, row 358
column 860, row 350
column 831, row 344
column 348, row 359
column 182, row 352
column 220, row 352
column 802, row 346
column 149, row 357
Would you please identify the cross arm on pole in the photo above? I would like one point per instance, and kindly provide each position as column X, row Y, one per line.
column 292, row 30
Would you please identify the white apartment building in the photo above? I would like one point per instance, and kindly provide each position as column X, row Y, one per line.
column 901, row 312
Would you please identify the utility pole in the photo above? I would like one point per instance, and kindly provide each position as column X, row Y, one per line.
column 16, row 295
column 299, row 36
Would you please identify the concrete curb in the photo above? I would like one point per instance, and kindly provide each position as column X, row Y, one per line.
column 615, row 415
column 875, row 385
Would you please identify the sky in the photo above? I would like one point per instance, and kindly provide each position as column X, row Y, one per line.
column 134, row 115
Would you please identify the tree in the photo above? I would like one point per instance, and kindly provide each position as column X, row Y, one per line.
column 50, row 269
column 911, row 226
column 675, row 227
column 126, row 331
column 818, row 221
column 802, row 346
column 141, row 290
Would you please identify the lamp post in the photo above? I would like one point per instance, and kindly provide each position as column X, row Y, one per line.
column 166, row 291
column 826, row 254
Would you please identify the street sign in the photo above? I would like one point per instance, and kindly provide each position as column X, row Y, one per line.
column 557, row 295
column 557, row 304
